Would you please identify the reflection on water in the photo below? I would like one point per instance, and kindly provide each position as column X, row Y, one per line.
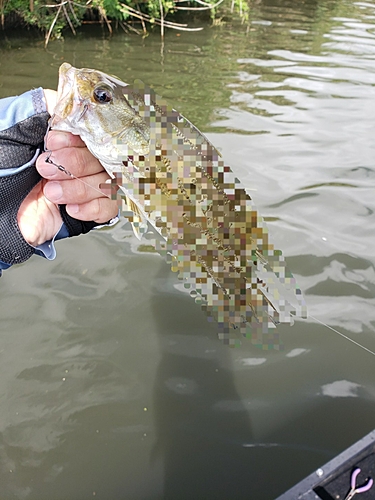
column 113, row 384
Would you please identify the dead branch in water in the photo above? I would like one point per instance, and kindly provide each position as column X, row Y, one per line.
column 66, row 9
column 62, row 7
column 206, row 7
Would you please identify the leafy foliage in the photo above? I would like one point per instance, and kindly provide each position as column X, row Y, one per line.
column 52, row 17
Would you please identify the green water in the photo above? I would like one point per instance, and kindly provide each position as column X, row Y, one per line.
column 113, row 385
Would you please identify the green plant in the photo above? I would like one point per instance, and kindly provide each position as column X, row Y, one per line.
column 53, row 17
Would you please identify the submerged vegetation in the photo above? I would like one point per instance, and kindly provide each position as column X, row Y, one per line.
column 52, row 17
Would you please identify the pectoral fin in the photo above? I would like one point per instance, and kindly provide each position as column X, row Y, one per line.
column 139, row 218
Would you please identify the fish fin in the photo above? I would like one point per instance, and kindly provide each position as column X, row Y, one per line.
column 139, row 218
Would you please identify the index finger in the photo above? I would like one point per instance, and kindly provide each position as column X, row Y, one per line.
column 59, row 140
column 79, row 161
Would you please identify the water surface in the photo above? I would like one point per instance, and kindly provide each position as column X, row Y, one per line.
column 113, row 384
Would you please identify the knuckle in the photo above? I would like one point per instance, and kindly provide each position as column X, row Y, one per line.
column 104, row 210
column 80, row 191
column 56, row 140
column 85, row 163
column 95, row 211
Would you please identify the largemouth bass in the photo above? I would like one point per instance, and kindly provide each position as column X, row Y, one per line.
column 178, row 188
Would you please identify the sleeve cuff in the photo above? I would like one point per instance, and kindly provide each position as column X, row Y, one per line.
column 47, row 249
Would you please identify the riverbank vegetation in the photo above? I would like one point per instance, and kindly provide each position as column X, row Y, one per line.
column 52, row 17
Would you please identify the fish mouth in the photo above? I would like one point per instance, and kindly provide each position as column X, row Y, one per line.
column 71, row 105
column 65, row 94
column 66, row 81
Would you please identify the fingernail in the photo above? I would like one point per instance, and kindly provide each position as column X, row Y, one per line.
column 58, row 140
column 72, row 209
column 47, row 170
column 53, row 191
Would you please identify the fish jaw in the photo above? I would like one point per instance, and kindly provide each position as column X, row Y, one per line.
column 68, row 101
column 100, row 124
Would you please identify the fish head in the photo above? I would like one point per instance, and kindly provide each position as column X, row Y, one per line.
column 92, row 104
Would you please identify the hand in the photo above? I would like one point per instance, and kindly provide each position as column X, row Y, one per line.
column 39, row 216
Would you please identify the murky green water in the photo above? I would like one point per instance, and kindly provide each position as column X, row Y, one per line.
column 112, row 383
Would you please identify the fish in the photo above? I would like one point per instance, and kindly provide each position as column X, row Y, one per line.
column 180, row 194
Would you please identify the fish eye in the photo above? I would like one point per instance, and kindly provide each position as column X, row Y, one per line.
column 102, row 95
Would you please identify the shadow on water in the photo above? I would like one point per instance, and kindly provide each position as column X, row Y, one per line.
column 204, row 434
column 204, row 431
column 200, row 421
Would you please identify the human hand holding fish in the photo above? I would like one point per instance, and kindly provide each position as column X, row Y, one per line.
column 39, row 217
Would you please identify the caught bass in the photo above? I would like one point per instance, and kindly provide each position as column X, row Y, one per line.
column 177, row 187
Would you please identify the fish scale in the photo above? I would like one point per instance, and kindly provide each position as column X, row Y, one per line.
column 203, row 221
